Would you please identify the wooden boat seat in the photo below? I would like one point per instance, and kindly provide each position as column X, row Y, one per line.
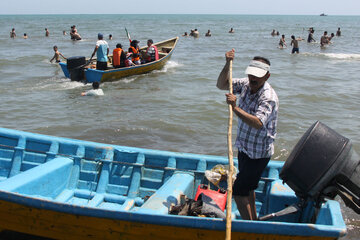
column 169, row 193
column 46, row 180
column 166, row 49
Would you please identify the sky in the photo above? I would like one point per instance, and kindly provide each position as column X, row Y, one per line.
column 282, row 7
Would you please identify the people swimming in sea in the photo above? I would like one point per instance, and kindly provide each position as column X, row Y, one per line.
column 273, row 33
column 74, row 35
column 310, row 38
column 57, row 55
column 185, row 34
column 12, row 33
column 110, row 37
column 295, row 44
column 47, row 33
column 282, row 42
column 338, row 32
column 196, row 33
column 64, row 32
column 96, row 91
column 231, row 30
column 331, row 37
column 208, row 34
column 324, row 40
column 25, row 36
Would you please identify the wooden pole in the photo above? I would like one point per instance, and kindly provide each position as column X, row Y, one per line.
column 231, row 163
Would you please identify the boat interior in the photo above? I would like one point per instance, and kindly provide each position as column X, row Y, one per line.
column 163, row 49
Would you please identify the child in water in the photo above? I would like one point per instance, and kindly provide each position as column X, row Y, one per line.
column 57, row 55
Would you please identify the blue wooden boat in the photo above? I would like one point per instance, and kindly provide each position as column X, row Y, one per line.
column 71, row 189
column 166, row 48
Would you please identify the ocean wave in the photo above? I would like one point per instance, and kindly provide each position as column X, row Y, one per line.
column 344, row 56
column 336, row 56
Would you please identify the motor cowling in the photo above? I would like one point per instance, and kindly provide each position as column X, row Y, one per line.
column 75, row 66
column 323, row 164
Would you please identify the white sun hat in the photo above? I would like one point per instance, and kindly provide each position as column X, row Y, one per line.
column 257, row 68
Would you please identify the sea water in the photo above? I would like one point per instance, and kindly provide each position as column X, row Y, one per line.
column 179, row 107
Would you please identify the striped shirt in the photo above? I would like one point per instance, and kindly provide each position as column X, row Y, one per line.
column 264, row 104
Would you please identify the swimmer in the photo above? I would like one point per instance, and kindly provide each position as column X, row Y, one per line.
column 96, row 91
column 282, row 43
column 57, row 55
column 12, row 33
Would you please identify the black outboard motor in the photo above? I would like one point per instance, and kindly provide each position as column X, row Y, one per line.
column 75, row 66
column 322, row 165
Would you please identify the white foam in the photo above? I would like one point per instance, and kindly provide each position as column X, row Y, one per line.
column 128, row 79
column 168, row 65
column 344, row 56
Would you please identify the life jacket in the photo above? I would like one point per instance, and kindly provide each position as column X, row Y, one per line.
column 135, row 56
column 153, row 56
column 116, row 56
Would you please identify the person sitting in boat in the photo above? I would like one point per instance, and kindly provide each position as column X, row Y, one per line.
column 96, row 91
column 152, row 53
column 102, row 52
column 119, row 56
column 57, row 55
column 134, row 49
column 128, row 61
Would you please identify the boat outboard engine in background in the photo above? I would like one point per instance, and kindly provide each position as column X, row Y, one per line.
column 322, row 165
column 75, row 66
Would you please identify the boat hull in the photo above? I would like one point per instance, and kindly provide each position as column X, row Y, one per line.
column 60, row 225
column 71, row 189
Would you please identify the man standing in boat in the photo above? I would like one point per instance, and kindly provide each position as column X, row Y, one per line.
column 257, row 111
column 102, row 52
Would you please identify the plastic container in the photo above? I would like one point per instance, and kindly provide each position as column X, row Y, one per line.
column 218, row 196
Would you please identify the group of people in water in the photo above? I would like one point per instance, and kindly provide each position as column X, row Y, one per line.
column 73, row 33
column 324, row 40
column 195, row 33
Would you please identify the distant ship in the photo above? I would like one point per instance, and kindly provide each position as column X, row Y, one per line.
column 323, row 14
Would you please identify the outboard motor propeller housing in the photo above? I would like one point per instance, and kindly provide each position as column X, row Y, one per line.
column 323, row 164
column 75, row 66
